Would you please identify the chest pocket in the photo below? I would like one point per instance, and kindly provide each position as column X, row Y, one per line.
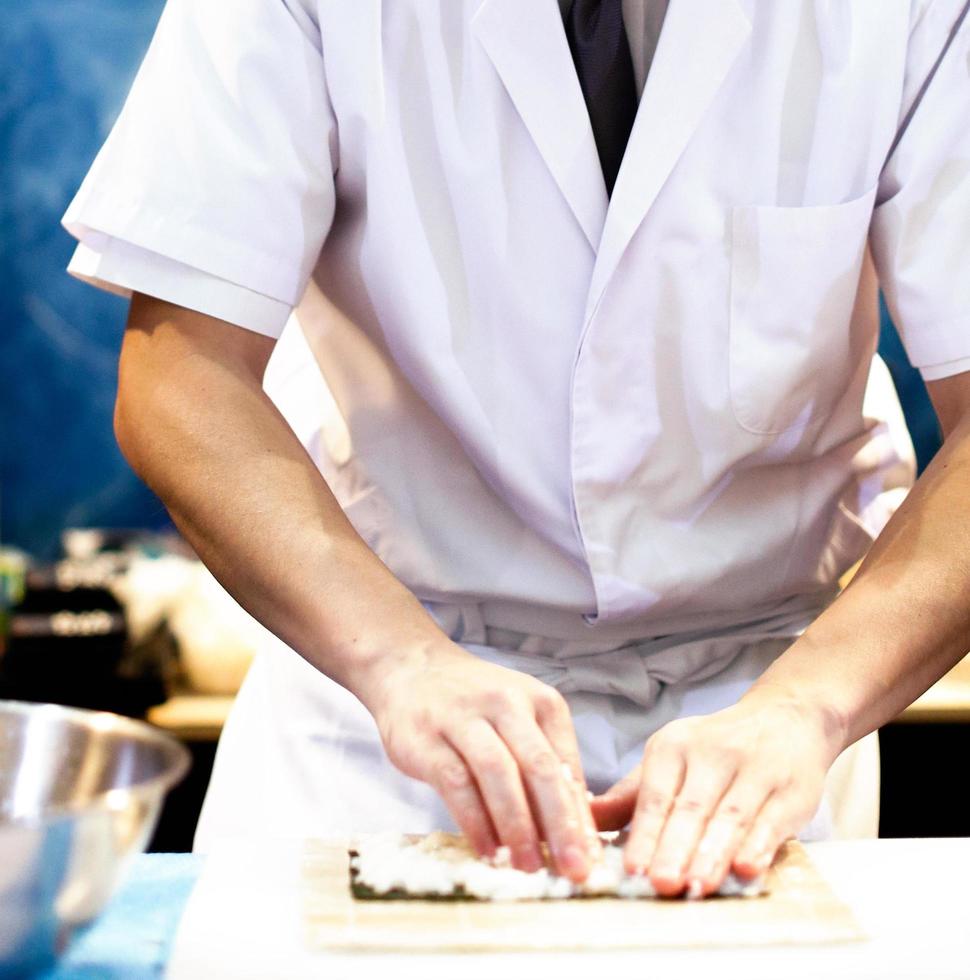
column 794, row 277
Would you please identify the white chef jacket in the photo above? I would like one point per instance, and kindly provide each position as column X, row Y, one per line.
column 645, row 411
column 557, row 416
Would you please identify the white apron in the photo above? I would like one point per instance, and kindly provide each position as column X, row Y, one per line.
column 645, row 412
column 301, row 757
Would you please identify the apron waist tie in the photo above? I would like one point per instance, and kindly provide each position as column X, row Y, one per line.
column 596, row 664
column 634, row 673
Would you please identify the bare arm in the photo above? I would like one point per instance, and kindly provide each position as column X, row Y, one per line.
column 904, row 620
column 727, row 789
column 194, row 422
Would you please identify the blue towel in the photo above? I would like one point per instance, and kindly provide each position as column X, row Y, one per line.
column 132, row 939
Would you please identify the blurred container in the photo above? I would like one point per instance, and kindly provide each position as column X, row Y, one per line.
column 13, row 570
column 68, row 642
column 215, row 637
column 80, row 793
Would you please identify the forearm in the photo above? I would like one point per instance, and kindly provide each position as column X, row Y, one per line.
column 194, row 422
column 724, row 790
column 903, row 621
column 197, row 427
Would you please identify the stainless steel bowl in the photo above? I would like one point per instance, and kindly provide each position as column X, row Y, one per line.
column 80, row 793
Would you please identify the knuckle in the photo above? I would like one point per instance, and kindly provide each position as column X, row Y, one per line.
column 542, row 765
column 489, row 763
column 549, row 703
column 518, row 833
column 672, row 738
column 399, row 751
column 404, row 761
column 777, row 775
column 423, row 721
column 502, row 701
column 787, row 784
column 690, row 805
column 468, row 816
column 452, row 776
column 734, row 813
column 729, row 755
column 652, row 802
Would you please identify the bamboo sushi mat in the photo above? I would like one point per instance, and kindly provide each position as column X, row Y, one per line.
column 800, row 908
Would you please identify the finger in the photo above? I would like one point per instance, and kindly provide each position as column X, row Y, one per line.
column 613, row 810
column 455, row 784
column 553, row 792
column 661, row 776
column 725, row 833
column 553, row 717
column 705, row 783
column 771, row 828
column 500, row 784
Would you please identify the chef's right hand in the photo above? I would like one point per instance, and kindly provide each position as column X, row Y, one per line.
column 500, row 749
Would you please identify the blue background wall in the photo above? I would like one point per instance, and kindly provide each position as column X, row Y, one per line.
column 65, row 66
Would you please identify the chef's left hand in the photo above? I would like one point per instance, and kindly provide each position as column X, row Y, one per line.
column 720, row 792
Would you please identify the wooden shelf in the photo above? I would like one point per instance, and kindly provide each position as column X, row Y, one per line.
column 192, row 717
column 948, row 700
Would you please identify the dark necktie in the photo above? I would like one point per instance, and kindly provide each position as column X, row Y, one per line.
column 601, row 52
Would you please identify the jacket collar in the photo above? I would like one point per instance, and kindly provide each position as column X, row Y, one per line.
column 699, row 43
column 526, row 43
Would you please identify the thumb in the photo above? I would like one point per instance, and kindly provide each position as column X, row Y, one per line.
column 613, row 810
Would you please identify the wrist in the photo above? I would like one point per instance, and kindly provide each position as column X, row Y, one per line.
column 373, row 675
column 374, row 656
column 815, row 713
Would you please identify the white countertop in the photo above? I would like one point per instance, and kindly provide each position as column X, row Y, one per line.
column 912, row 897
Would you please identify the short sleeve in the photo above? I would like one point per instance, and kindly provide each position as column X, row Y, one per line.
column 921, row 226
column 222, row 158
column 122, row 268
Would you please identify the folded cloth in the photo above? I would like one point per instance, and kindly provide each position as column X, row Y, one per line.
column 133, row 937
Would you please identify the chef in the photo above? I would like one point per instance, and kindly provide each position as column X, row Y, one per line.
column 567, row 316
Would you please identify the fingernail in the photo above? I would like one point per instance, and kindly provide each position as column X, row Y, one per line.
column 746, row 869
column 638, row 861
